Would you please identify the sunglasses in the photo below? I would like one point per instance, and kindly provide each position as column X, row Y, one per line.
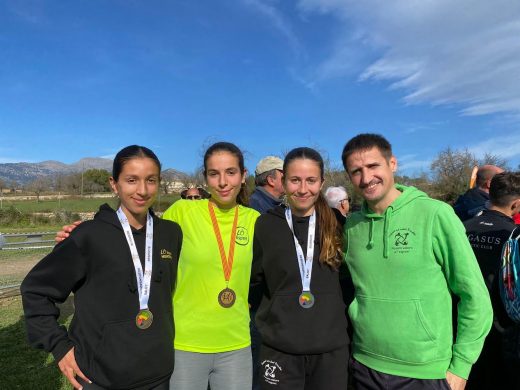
column 193, row 197
column 349, row 199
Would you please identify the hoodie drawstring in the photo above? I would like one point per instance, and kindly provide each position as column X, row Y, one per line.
column 371, row 234
column 388, row 212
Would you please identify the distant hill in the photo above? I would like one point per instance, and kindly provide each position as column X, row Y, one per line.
column 24, row 173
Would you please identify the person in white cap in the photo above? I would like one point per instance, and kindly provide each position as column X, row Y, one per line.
column 268, row 181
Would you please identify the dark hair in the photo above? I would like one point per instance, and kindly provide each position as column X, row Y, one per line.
column 129, row 153
column 330, row 231
column 504, row 188
column 366, row 141
column 243, row 196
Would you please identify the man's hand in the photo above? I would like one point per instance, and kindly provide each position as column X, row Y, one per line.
column 65, row 231
column 70, row 369
column 455, row 382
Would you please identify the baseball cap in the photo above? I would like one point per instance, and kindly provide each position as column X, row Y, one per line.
column 268, row 164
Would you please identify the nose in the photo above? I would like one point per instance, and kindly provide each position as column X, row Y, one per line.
column 222, row 182
column 303, row 187
column 142, row 189
column 365, row 178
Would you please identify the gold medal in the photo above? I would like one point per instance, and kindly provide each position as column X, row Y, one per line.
column 144, row 319
column 227, row 297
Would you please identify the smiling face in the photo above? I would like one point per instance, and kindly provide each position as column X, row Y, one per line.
column 302, row 182
column 224, row 178
column 372, row 176
column 137, row 187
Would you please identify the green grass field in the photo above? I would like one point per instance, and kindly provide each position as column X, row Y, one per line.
column 76, row 205
column 21, row 366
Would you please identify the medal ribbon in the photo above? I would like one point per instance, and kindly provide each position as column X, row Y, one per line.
column 143, row 278
column 304, row 262
column 227, row 262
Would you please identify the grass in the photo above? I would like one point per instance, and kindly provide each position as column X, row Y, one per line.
column 76, row 205
column 21, row 366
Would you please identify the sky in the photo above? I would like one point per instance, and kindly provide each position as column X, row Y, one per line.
column 84, row 78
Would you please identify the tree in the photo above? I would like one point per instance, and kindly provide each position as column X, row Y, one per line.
column 3, row 185
column 451, row 172
column 96, row 180
column 39, row 185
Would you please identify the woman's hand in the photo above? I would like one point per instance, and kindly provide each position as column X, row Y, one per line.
column 70, row 369
column 65, row 231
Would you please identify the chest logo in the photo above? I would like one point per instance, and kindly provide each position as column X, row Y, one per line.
column 166, row 254
column 402, row 240
column 242, row 237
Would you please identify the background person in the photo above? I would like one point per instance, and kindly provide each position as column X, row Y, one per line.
column 474, row 200
column 268, row 180
column 407, row 253
column 120, row 336
column 498, row 364
column 339, row 201
column 297, row 254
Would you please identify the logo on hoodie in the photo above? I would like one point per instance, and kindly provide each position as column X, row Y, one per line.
column 402, row 240
column 166, row 254
column 242, row 237
column 271, row 369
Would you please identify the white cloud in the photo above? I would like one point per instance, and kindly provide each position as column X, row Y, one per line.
column 507, row 147
column 464, row 53
column 278, row 21
column 410, row 164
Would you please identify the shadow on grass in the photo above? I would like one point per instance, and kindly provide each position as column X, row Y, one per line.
column 23, row 367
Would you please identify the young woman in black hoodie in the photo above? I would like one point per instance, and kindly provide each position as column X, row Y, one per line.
column 297, row 255
column 121, row 267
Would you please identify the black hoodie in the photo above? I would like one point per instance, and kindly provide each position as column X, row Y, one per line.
column 96, row 265
column 282, row 322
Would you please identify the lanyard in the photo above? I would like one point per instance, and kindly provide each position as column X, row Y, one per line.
column 143, row 279
column 227, row 262
column 305, row 263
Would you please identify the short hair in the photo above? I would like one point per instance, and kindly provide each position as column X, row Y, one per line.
column 366, row 141
column 261, row 179
column 504, row 188
column 334, row 195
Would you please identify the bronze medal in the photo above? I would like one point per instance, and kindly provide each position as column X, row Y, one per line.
column 144, row 319
column 227, row 297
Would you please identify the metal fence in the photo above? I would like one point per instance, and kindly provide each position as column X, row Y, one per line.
column 18, row 254
column 24, row 241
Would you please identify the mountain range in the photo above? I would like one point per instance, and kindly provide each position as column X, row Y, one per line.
column 23, row 173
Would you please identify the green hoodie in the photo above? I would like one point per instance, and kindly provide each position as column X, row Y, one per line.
column 404, row 263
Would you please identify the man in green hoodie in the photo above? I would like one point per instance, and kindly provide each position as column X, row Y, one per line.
column 407, row 254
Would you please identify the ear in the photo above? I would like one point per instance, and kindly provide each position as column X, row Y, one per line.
column 113, row 184
column 393, row 163
column 244, row 176
column 322, row 183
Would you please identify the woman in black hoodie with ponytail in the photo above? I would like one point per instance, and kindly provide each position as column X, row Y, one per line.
column 297, row 256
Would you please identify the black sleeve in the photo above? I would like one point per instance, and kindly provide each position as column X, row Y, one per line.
column 257, row 275
column 49, row 282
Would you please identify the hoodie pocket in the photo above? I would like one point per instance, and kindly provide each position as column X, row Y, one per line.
column 127, row 356
column 393, row 329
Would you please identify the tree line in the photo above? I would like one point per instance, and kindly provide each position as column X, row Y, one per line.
column 448, row 177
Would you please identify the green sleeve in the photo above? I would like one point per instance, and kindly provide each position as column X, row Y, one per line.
column 475, row 315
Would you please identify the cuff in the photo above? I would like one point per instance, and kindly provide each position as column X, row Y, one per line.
column 460, row 367
column 61, row 349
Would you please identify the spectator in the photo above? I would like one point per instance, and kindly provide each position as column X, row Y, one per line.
column 339, row 201
column 268, row 181
column 474, row 200
column 194, row 193
column 487, row 234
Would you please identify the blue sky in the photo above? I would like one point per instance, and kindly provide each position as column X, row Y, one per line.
column 84, row 78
